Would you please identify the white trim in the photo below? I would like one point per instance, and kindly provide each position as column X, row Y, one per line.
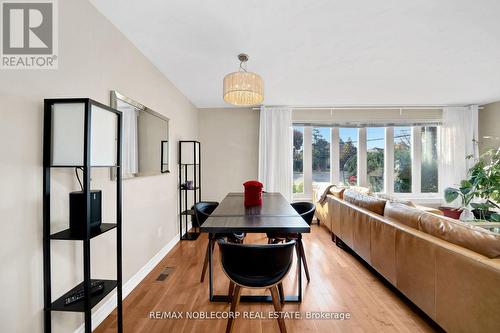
column 335, row 155
column 362, row 158
column 307, row 161
column 440, row 185
column 433, row 199
column 103, row 311
column 389, row 161
column 416, row 159
column 369, row 107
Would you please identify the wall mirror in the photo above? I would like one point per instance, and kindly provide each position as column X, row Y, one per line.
column 146, row 145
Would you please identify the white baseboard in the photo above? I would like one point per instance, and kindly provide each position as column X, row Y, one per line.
column 107, row 307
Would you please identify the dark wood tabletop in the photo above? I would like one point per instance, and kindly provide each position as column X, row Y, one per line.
column 275, row 215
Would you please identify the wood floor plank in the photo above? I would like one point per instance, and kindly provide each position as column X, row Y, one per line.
column 340, row 282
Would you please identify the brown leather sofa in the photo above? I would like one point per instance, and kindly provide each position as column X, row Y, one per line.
column 449, row 269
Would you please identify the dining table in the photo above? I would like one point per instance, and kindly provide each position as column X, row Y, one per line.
column 274, row 215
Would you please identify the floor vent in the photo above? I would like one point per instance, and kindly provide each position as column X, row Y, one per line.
column 165, row 273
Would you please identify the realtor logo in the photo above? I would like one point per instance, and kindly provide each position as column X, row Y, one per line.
column 29, row 35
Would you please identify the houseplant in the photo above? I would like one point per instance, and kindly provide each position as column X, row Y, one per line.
column 484, row 177
column 483, row 183
column 464, row 191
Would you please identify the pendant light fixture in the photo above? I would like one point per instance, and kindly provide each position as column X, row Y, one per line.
column 243, row 88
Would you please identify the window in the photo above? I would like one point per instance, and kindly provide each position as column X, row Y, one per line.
column 429, row 166
column 321, row 139
column 396, row 159
column 348, row 155
column 375, row 145
column 298, row 159
column 402, row 159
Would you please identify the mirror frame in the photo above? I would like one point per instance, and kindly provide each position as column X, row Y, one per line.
column 114, row 97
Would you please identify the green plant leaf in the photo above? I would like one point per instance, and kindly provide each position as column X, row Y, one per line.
column 480, row 206
column 465, row 184
column 465, row 190
column 450, row 194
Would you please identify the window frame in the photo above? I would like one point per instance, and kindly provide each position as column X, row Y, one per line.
column 362, row 178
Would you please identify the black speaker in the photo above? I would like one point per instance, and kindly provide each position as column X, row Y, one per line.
column 77, row 223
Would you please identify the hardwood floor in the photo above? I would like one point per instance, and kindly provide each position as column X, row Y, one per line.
column 340, row 282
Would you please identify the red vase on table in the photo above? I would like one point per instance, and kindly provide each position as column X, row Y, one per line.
column 253, row 193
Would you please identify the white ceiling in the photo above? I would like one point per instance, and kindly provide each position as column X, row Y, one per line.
column 322, row 52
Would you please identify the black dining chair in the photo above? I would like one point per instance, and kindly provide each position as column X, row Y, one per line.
column 256, row 266
column 202, row 211
column 306, row 210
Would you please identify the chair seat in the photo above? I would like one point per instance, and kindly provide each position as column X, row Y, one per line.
column 257, row 282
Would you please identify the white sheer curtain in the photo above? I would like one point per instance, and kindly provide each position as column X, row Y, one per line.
column 275, row 150
column 459, row 129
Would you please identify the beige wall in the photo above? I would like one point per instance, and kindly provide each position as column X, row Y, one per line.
column 94, row 58
column 230, row 150
column 489, row 125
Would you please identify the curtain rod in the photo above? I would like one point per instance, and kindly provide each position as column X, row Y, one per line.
column 354, row 124
column 406, row 107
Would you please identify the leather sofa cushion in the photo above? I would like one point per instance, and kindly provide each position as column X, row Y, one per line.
column 430, row 210
column 416, row 269
column 467, row 292
column 470, row 237
column 402, row 213
column 365, row 201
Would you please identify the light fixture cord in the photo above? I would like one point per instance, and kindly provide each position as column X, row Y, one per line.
column 241, row 66
column 78, row 177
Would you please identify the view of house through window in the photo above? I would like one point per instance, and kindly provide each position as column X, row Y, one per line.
column 348, row 159
column 375, row 145
column 298, row 160
column 321, row 154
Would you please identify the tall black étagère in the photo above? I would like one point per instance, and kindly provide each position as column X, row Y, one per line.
column 81, row 149
column 189, row 185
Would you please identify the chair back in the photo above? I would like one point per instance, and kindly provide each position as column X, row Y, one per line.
column 306, row 210
column 256, row 265
column 203, row 209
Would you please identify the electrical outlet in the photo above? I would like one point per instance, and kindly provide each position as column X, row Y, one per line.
column 159, row 231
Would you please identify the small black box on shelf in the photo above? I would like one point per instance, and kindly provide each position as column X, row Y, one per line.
column 77, row 223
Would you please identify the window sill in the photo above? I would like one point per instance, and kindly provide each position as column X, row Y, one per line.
column 423, row 199
column 301, row 197
column 420, row 198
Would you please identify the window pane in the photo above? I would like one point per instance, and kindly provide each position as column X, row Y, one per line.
column 402, row 159
column 375, row 144
column 429, row 168
column 321, row 154
column 298, row 159
column 348, row 138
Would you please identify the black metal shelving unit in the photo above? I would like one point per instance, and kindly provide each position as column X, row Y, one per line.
column 189, row 172
column 90, row 300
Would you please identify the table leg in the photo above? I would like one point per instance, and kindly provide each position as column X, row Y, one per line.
column 210, row 268
column 299, row 272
